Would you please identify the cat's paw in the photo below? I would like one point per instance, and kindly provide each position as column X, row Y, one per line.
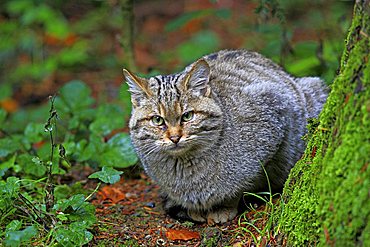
column 196, row 216
column 221, row 215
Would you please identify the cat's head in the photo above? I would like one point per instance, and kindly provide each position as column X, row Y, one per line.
column 174, row 114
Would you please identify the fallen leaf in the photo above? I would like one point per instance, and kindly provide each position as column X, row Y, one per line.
column 111, row 193
column 182, row 234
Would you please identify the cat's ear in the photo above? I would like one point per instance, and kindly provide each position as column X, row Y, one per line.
column 197, row 79
column 138, row 87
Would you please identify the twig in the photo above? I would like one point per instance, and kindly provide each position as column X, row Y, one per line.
column 49, row 188
column 96, row 189
column 37, row 212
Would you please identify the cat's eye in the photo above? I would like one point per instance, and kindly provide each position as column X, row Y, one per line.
column 187, row 116
column 157, row 120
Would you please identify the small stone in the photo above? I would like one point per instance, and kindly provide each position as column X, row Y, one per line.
column 148, row 237
column 130, row 195
column 161, row 241
column 150, row 204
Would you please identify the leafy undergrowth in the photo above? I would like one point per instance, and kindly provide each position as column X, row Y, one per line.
column 40, row 202
column 130, row 213
column 48, row 195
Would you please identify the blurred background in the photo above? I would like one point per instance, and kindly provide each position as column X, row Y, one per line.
column 44, row 44
column 74, row 49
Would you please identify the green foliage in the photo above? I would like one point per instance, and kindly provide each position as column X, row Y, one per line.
column 24, row 37
column 107, row 175
column 276, row 35
column 73, row 235
column 200, row 44
column 40, row 39
column 264, row 222
column 80, row 133
column 189, row 16
column 15, row 237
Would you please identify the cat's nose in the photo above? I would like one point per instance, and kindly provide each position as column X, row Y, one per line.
column 175, row 138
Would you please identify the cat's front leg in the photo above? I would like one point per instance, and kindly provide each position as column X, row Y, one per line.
column 197, row 216
column 219, row 215
column 223, row 213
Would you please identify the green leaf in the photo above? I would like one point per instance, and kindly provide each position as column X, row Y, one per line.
column 17, row 7
column 108, row 118
column 8, row 146
column 34, row 132
column 58, row 27
column 303, row 66
column 107, row 175
column 182, row 20
column 31, row 164
column 10, row 188
column 63, row 191
column 74, row 202
column 73, row 235
column 3, row 114
column 15, row 238
column 72, row 55
column 19, row 120
column 84, row 213
column 187, row 17
column 14, row 225
column 76, row 209
column 7, row 165
column 85, row 150
column 119, row 152
column 5, row 91
column 201, row 43
column 75, row 96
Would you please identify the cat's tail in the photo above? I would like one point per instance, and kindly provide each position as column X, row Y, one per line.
column 315, row 92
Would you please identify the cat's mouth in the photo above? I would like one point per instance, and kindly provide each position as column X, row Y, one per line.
column 176, row 148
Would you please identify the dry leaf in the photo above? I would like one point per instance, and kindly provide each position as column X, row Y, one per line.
column 111, row 193
column 182, row 234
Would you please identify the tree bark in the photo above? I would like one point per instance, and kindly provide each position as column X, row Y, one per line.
column 326, row 200
column 127, row 40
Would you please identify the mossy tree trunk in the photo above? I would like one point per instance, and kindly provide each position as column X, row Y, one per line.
column 327, row 195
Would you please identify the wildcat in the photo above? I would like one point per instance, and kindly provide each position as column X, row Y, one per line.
column 204, row 134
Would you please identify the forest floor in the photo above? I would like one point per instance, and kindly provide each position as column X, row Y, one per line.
column 130, row 213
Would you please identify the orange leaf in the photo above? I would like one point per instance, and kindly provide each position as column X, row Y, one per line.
column 70, row 40
column 111, row 193
column 183, row 234
column 38, row 145
column 51, row 40
column 9, row 105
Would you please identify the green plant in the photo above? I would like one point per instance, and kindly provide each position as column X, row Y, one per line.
column 31, row 205
column 262, row 227
column 39, row 39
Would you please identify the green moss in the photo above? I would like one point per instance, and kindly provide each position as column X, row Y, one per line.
column 328, row 192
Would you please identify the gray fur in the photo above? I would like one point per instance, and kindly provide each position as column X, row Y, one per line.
column 248, row 113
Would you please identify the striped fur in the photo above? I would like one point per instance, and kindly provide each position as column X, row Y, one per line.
column 246, row 112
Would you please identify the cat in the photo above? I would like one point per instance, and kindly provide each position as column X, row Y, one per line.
column 204, row 134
